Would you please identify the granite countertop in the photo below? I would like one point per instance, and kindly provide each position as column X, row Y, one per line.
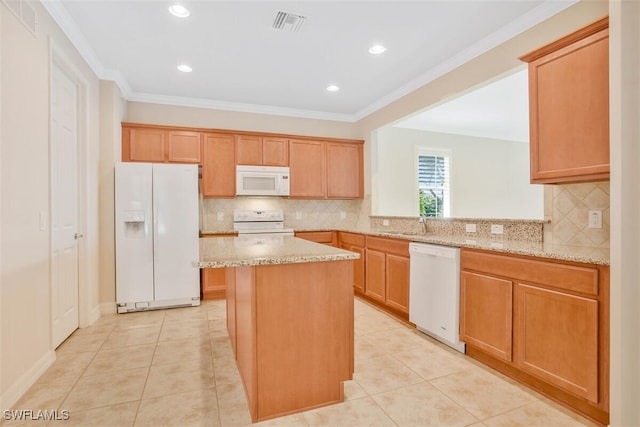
column 220, row 252
column 538, row 249
column 589, row 255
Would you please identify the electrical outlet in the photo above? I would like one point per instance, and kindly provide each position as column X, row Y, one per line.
column 220, row 216
column 497, row 229
column 595, row 219
column 385, row 222
column 343, row 215
column 470, row 228
column 298, row 215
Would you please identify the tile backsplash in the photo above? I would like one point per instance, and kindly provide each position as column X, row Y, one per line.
column 569, row 211
column 298, row 213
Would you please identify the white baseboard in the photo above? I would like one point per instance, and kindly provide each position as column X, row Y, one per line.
column 96, row 313
column 20, row 387
column 108, row 308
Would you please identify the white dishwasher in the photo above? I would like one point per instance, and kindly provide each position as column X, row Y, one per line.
column 434, row 292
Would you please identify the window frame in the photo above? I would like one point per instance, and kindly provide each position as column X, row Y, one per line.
column 437, row 152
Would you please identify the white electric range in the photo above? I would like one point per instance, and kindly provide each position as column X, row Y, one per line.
column 260, row 227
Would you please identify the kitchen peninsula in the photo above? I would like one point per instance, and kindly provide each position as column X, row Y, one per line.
column 289, row 317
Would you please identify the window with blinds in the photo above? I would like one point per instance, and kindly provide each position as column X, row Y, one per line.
column 433, row 185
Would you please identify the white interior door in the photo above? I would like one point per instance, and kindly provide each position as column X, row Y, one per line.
column 64, row 206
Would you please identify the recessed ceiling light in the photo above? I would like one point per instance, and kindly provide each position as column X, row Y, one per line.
column 185, row 68
column 179, row 11
column 377, row 49
column 333, row 88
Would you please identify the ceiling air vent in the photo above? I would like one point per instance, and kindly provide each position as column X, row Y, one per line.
column 288, row 22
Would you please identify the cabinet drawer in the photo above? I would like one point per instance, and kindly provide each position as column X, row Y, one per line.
column 317, row 236
column 394, row 246
column 573, row 278
column 351, row 238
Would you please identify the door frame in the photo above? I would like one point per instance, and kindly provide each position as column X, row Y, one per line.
column 58, row 57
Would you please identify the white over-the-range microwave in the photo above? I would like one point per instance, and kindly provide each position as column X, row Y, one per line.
column 262, row 180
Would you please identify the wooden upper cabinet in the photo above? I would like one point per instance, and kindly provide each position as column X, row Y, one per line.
column 249, row 150
column 275, row 151
column 144, row 145
column 569, row 107
column 307, row 162
column 219, row 165
column 184, row 146
column 262, row 151
column 344, row 171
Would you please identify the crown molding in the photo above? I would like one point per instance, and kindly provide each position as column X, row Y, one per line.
column 239, row 107
column 542, row 12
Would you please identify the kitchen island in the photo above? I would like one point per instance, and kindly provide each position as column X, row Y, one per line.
column 289, row 317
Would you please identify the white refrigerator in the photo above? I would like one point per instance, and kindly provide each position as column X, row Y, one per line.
column 157, row 231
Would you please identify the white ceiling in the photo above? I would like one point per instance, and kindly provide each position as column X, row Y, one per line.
column 240, row 63
column 497, row 110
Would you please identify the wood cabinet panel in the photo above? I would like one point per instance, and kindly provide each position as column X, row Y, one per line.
column 262, row 151
column 568, row 277
column 486, row 310
column 184, row 146
column 344, row 171
column 147, row 145
column 275, row 151
column 375, row 266
column 569, row 108
column 249, row 150
column 394, row 246
column 325, row 237
column 358, row 267
column 219, row 165
column 213, row 283
column 307, row 169
column 230, row 293
column 556, row 339
column 397, row 282
column 351, row 238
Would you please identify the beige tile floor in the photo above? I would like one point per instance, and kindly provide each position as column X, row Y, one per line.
column 176, row 368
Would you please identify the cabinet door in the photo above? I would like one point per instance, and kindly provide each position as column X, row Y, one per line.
column 556, row 339
column 397, row 282
column 358, row 266
column 147, row 145
column 249, row 150
column 275, row 151
column 344, row 171
column 569, row 112
column 219, row 166
column 307, row 169
column 486, row 313
column 213, row 283
column 375, row 275
column 184, row 146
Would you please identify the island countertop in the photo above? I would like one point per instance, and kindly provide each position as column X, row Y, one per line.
column 222, row 252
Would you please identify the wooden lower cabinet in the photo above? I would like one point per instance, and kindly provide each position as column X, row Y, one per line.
column 542, row 322
column 557, row 338
column 387, row 274
column 376, row 275
column 325, row 237
column 292, row 333
column 213, row 283
column 486, row 314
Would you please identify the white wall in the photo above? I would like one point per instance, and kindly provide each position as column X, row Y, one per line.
column 25, row 348
column 489, row 178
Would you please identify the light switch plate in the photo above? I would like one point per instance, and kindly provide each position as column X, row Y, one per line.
column 497, row 229
column 385, row 222
column 470, row 228
column 595, row 219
